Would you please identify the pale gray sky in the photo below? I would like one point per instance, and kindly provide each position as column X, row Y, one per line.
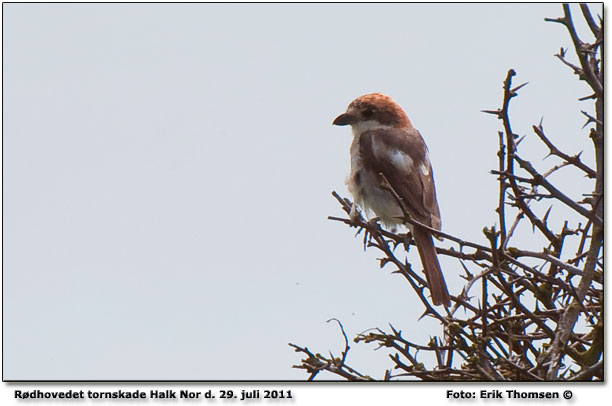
column 168, row 170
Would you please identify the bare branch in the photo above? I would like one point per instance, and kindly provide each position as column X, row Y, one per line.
column 516, row 315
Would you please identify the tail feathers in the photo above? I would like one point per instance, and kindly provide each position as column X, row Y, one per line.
column 433, row 273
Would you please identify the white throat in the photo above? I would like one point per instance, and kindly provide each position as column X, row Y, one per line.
column 363, row 126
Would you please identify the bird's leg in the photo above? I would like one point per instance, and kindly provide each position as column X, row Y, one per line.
column 357, row 219
column 373, row 221
column 408, row 237
column 407, row 240
column 354, row 215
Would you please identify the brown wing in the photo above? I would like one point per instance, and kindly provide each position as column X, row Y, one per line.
column 401, row 156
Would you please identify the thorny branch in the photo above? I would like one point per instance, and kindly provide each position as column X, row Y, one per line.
column 538, row 315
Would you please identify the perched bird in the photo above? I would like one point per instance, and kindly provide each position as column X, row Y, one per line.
column 385, row 143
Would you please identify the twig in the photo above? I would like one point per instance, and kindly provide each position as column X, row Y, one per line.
column 574, row 160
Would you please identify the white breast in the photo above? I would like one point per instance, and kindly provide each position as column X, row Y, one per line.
column 369, row 196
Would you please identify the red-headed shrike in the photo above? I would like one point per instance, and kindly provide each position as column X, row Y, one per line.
column 385, row 143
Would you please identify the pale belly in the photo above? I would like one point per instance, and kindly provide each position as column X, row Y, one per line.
column 372, row 199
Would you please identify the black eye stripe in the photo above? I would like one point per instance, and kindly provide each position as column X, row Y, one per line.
column 367, row 112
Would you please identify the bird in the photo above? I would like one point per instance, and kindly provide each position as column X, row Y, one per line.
column 387, row 151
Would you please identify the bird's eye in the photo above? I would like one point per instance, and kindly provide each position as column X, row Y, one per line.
column 368, row 113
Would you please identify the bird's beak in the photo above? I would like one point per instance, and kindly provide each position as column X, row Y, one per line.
column 345, row 119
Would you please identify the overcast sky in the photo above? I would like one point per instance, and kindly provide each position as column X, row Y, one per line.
column 168, row 170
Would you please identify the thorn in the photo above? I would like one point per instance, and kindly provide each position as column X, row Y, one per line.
column 427, row 311
column 518, row 87
column 590, row 119
column 591, row 96
column 546, row 215
column 559, row 20
column 494, row 112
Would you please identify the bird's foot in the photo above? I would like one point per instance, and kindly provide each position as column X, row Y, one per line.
column 373, row 221
column 355, row 216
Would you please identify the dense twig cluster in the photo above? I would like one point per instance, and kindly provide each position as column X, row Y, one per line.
column 538, row 315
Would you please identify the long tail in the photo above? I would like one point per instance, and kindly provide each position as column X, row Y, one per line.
column 433, row 273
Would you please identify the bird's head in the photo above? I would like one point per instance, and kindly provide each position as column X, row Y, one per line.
column 373, row 111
